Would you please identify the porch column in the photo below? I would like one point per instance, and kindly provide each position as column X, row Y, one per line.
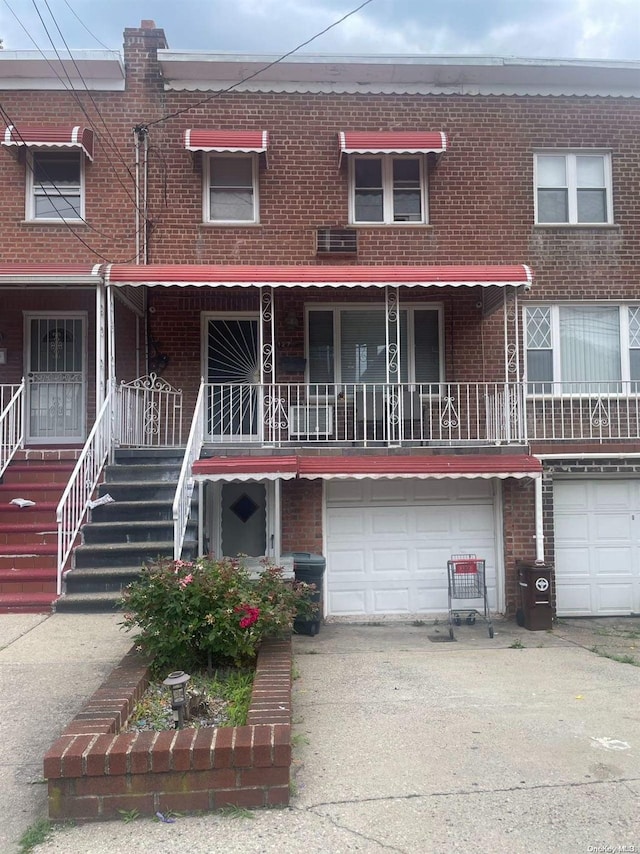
column 514, row 414
column 267, row 369
column 111, row 333
column 393, row 394
column 101, row 329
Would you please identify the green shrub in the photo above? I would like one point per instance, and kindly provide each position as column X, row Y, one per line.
column 192, row 615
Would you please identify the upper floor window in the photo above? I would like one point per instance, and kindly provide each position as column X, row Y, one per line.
column 582, row 349
column 231, row 188
column 388, row 189
column 55, row 185
column 349, row 345
column 573, row 188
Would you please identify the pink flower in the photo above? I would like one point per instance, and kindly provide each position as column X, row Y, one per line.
column 250, row 615
column 184, row 581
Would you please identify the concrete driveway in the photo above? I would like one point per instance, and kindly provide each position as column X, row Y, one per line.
column 407, row 743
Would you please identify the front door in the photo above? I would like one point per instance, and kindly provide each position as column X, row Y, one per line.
column 233, row 370
column 56, row 378
column 243, row 520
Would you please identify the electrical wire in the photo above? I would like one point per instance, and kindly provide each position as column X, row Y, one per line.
column 77, row 17
column 260, row 70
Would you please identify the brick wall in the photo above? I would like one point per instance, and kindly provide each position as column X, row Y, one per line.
column 94, row 771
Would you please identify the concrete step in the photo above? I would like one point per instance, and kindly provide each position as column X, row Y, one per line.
column 110, row 579
column 123, row 511
column 130, row 531
column 101, row 555
column 26, row 603
column 87, row 603
column 152, row 490
column 149, row 456
column 138, row 473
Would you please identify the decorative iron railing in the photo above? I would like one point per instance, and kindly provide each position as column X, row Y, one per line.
column 11, row 422
column 148, row 413
column 448, row 414
column 75, row 499
column 184, row 488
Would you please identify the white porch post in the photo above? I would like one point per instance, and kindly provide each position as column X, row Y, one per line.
column 101, row 344
column 111, row 336
column 267, row 356
column 393, row 392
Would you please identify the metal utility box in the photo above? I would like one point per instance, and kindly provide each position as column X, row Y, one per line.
column 535, row 611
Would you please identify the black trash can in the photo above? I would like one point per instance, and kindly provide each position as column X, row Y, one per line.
column 310, row 568
column 535, row 612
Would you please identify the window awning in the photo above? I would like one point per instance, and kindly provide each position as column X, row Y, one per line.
column 391, row 142
column 50, row 274
column 318, row 275
column 454, row 466
column 50, row 136
column 245, row 141
column 246, row 468
column 352, row 467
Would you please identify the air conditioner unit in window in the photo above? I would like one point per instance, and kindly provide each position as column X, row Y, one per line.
column 311, row 421
column 337, row 241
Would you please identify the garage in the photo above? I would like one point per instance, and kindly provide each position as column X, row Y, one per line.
column 388, row 542
column 597, row 546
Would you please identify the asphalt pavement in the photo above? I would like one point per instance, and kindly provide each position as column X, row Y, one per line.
column 404, row 740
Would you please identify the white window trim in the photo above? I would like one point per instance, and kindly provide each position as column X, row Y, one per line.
column 30, row 198
column 387, row 190
column 206, row 195
column 570, row 157
column 411, row 308
column 557, row 381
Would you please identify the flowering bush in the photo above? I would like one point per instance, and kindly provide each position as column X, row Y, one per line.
column 188, row 615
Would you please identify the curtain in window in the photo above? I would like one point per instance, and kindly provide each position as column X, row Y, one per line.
column 590, row 349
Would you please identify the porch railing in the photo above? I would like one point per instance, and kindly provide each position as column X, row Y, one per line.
column 148, row 413
column 601, row 411
column 11, row 422
column 74, row 502
column 184, row 489
column 447, row 414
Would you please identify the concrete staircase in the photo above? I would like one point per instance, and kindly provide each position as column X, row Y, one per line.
column 28, row 535
column 137, row 528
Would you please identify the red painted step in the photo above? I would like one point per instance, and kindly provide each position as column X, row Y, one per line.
column 32, row 532
column 42, row 512
column 23, row 473
column 27, row 603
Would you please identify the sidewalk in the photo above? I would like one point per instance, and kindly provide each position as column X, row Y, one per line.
column 525, row 742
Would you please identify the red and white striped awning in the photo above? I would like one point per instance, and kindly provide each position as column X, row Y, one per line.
column 246, row 468
column 391, row 142
column 50, row 274
column 50, row 136
column 244, row 141
column 318, row 276
column 455, row 466
column 350, row 467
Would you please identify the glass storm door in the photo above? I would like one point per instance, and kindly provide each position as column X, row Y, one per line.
column 243, row 519
column 233, row 369
column 56, row 379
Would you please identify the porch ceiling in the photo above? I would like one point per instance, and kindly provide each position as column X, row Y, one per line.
column 320, row 276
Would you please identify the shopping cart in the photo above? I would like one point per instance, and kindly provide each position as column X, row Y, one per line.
column 466, row 575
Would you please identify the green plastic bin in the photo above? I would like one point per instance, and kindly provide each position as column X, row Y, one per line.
column 310, row 568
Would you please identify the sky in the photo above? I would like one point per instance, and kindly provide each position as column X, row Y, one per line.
column 581, row 29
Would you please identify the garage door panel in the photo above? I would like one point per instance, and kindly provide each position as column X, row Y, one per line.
column 347, row 601
column 390, row 523
column 348, row 563
column 611, row 561
column 389, row 562
column 613, row 597
column 433, row 520
column 611, row 526
column 574, row 599
column 347, row 522
column 389, row 600
column 427, row 599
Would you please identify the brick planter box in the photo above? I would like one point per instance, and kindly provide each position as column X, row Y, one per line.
column 93, row 770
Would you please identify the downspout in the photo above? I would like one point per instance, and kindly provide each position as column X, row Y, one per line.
column 539, row 521
column 141, row 135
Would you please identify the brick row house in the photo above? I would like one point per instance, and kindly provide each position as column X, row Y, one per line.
column 385, row 310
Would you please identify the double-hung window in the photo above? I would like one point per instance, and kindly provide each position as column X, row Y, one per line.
column 349, row 345
column 582, row 349
column 55, row 185
column 231, row 188
column 573, row 188
column 388, row 189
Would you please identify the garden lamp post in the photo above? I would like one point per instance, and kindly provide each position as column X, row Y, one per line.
column 177, row 681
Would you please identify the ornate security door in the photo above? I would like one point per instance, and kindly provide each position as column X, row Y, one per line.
column 56, row 379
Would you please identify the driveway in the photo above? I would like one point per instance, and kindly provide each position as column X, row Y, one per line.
column 407, row 743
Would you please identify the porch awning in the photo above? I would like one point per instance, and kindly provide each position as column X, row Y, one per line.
column 243, row 141
column 50, row 274
column 456, row 466
column 245, row 468
column 318, row 276
column 391, row 142
column 51, row 136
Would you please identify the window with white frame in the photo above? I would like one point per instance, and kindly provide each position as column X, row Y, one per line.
column 231, row 188
column 348, row 345
column 582, row 349
column 388, row 189
column 55, row 185
column 573, row 188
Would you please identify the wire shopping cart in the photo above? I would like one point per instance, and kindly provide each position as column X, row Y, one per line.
column 466, row 580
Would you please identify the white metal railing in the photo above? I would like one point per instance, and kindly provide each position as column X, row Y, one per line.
column 148, row 413
column 449, row 414
column 11, row 422
column 74, row 502
column 599, row 411
column 184, row 488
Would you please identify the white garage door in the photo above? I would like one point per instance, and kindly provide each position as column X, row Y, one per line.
column 597, row 545
column 388, row 542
